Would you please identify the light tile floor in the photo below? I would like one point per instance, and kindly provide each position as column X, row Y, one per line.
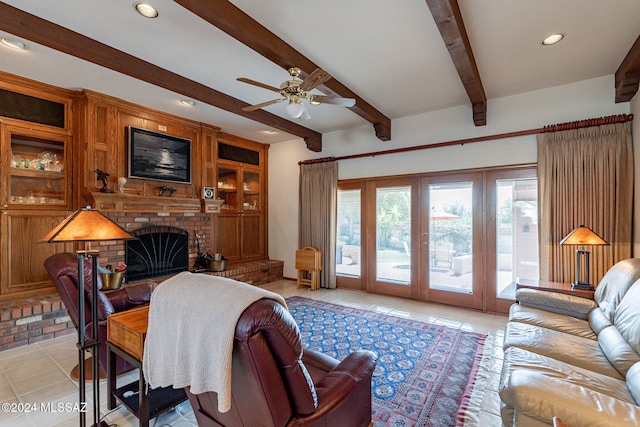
column 39, row 373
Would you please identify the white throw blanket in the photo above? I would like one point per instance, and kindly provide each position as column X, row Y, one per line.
column 192, row 322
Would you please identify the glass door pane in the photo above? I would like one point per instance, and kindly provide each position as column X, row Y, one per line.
column 516, row 234
column 393, row 235
column 450, row 219
column 348, row 248
column 251, row 190
column 228, row 187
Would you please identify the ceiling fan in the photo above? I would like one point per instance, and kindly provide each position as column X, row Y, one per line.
column 295, row 90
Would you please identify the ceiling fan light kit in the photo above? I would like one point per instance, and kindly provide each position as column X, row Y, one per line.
column 295, row 109
column 295, row 90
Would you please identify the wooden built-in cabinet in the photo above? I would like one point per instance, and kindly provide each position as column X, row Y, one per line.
column 240, row 227
column 52, row 141
column 36, row 143
column 104, row 131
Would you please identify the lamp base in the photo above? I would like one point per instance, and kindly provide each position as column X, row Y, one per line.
column 582, row 286
column 101, row 424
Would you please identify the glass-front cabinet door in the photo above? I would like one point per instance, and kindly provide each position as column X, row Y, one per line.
column 239, row 187
column 35, row 191
column 228, row 179
column 251, row 190
column 38, row 174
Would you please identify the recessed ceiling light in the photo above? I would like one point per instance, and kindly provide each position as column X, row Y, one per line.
column 146, row 10
column 188, row 102
column 16, row 44
column 270, row 131
column 552, row 39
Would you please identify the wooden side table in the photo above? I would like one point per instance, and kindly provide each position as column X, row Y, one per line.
column 126, row 332
column 559, row 287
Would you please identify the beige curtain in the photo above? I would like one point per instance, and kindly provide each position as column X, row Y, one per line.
column 585, row 177
column 317, row 220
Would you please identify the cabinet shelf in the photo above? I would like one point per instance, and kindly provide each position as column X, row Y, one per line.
column 35, row 173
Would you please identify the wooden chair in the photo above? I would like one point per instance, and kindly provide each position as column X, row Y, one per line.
column 309, row 264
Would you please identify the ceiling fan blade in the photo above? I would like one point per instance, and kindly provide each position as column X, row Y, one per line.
column 264, row 104
column 255, row 83
column 334, row 100
column 305, row 114
column 314, row 79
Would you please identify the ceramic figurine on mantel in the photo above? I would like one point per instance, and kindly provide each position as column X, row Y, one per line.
column 103, row 176
column 121, row 182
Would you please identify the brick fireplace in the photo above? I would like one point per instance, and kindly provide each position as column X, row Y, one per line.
column 32, row 319
column 114, row 252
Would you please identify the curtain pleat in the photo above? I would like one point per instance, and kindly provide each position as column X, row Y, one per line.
column 317, row 220
column 585, row 177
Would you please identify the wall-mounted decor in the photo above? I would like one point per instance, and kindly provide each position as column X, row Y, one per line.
column 208, row 193
column 159, row 156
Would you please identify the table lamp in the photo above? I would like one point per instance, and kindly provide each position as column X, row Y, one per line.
column 583, row 236
column 87, row 225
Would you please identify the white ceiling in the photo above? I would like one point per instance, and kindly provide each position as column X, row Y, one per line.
column 388, row 52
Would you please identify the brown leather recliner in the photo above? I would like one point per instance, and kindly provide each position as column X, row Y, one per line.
column 275, row 383
column 63, row 270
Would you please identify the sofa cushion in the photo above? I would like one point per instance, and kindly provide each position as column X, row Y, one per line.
column 581, row 352
column 615, row 284
column 549, row 320
column 538, row 397
column 519, row 359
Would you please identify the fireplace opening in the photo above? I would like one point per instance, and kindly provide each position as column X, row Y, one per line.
column 158, row 251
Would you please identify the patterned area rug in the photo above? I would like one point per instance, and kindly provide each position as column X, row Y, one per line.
column 425, row 372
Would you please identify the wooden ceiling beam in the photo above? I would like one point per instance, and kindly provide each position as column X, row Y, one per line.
column 38, row 30
column 628, row 74
column 448, row 18
column 237, row 24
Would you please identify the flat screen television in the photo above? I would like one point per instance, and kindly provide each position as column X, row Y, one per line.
column 158, row 156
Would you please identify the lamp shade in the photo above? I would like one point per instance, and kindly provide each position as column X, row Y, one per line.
column 295, row 109
column 86, row 225
column 583, row 236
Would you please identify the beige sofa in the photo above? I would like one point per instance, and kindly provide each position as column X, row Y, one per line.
column 574, row 358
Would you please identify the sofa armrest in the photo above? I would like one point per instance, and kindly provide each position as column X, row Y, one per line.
column 556, row 302
column 344, row 392
column 130, row 296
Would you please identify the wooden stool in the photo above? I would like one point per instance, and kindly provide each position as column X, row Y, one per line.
column 309, row 263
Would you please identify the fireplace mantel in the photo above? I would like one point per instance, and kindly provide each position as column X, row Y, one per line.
column 116, row 202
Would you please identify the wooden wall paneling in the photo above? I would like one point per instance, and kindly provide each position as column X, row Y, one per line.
column 209, row 157
column 161, row 124
column 23, row 265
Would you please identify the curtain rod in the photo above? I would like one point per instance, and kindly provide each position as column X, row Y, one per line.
column 609, row 120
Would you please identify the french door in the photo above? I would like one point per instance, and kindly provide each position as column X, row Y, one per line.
column 451, row 255
column 392, row 269
column 460, row 239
